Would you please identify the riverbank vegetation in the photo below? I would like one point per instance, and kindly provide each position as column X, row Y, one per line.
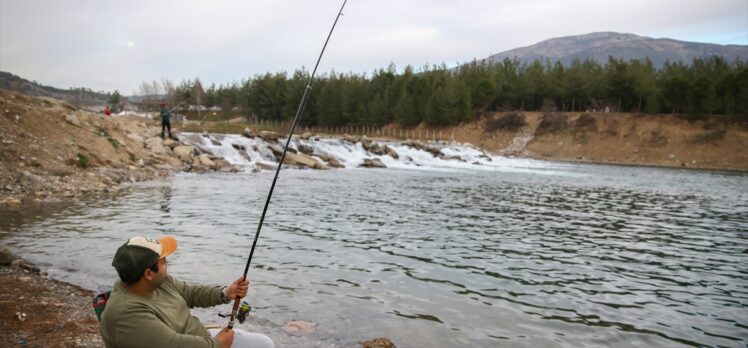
column 438, row 96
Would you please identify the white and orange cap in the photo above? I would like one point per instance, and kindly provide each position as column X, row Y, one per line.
column 164, row 246
column 140, row 253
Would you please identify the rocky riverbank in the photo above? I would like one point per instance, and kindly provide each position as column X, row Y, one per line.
column 51, row 151
column 40, row 312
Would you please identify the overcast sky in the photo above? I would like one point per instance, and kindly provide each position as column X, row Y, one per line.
column 108, row 45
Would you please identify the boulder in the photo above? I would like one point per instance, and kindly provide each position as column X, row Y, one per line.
column 372, row 163
column 415, row 144
column 239, row 147
column 276, row 150
column 269, row 136
column 184, row 151
column 306, row 149
column 6, row 257
column 170, row 143
column 306, row 136
column 349, row 138
column 391, row 152
column 332, row 161
column 134, row 137
column 302, row 160
column 155, row 144
column 206, row 161
column 73, row 119
column 249, row 133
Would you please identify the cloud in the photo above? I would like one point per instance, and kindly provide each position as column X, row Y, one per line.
column 118, row 44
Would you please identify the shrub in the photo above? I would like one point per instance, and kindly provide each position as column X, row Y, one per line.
column 512, row 122
column 552, row 123
column 82, row 161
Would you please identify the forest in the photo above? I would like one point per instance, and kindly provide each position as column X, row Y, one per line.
column 439, row 96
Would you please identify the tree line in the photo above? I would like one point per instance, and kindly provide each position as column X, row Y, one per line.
column 438, row 96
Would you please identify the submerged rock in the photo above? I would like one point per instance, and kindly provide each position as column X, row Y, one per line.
column 299, row 327
column 380, row 342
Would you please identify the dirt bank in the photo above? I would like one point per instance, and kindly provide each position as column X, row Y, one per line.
column 656, row 140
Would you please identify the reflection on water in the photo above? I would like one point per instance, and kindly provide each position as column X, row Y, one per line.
column 591, row 255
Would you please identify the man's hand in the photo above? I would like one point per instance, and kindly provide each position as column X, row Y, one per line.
column 237, row 288
column 226, row 337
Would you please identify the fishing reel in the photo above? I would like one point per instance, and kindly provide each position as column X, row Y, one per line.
column 241, row 315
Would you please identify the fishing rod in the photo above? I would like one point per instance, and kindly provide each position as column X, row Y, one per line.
column 299, row 111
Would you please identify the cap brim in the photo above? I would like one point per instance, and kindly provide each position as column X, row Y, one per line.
column 168, row 246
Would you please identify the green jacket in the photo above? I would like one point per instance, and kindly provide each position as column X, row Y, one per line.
column 165, row 114
column 163, row 320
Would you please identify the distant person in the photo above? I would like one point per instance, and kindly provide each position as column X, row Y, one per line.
column 165, row 120
column 107, row 111
column 149, row 308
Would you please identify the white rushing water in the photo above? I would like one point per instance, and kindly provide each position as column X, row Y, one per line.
column 248, row 153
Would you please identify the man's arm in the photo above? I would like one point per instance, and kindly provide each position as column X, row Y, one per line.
column 198, row 295
column 139, row 327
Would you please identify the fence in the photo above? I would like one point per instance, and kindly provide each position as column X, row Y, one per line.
column 382, row 132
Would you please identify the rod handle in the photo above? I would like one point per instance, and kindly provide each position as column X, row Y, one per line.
column 234, row 310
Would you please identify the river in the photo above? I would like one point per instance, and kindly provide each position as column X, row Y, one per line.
column 511, row 253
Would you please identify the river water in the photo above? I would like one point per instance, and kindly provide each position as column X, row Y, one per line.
column 520, row 253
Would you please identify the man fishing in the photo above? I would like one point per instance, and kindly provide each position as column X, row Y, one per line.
column 149, row 308
column 165, row 120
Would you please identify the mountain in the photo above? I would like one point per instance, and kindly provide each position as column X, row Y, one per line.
column 599, row 46
column 76, row 96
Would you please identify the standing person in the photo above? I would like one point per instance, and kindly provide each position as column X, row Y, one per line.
column 107, row 111
column 149, row 308
column 165, row 120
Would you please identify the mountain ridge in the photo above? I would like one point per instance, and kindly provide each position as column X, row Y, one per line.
column 599, row 46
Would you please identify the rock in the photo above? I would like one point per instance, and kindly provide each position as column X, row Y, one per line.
column 332, row 161
column 134, row 137
column 380, row 342
column 239, row 147
column 6, row 257
column 248, row 133
column 276, row 150
column 299, row 327
column 415, row 144
column 155, row 144
column 72, row 119
column 204, row 160
column 350, row 139
column 372, row 163
column 184, row 151
column 264, row 166
column 170, row 143
column 306, row 136
column 305, row 149
column 21, row 264
column 302, row 160
column 391, row 152
column 269, row 136
column 11, row 201
column 215, row 142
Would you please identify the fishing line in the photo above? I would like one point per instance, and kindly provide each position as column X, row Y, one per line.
column 299, row 111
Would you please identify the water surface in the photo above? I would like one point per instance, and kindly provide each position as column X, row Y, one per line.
column 522, row 254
